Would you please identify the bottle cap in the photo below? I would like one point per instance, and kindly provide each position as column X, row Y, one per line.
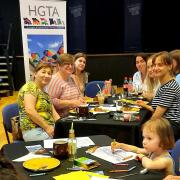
column 71, row 130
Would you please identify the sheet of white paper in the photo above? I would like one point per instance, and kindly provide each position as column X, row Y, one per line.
column 34, row 148
column 49, row 142
column 29, row 156
column 84, row 142
column 81, row 142
column 105, row 153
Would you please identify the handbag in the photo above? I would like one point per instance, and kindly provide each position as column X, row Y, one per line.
column 16, row 130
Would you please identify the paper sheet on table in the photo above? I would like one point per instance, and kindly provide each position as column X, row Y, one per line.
column 79, row 175
column 29, row 156
column 81, row 142
column 118, row 156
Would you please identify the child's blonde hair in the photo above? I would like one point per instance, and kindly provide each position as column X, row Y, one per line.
column 163, row 129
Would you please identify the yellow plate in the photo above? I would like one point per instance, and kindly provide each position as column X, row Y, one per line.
column 41, row 164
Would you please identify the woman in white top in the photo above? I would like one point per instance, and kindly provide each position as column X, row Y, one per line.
column 139, row 76
column 151, row 83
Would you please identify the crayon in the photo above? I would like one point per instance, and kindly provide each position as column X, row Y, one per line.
column 119, row 170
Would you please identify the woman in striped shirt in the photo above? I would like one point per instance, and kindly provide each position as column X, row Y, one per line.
column 166, row 103
column 62, row 88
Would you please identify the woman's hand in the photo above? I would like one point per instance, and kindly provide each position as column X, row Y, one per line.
column 83, row 100
column 50, row 131
column 75, row 103
column 144, row 105
column 78, row 102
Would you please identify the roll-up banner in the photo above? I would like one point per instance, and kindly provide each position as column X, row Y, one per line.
column 43, row 26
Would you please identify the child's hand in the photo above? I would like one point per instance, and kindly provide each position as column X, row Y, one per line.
column 114, row 145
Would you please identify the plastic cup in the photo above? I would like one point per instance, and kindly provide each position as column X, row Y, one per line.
column 60, row 149
column 100, row 98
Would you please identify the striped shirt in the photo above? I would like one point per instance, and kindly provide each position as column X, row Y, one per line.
column 59, row 89
column 168, row 95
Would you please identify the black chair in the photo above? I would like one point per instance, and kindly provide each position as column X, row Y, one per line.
column 92, row 88
column 8, row 112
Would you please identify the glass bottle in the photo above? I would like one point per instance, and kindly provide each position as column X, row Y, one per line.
column 72, row 144
column 130, row 86
column 125, row 87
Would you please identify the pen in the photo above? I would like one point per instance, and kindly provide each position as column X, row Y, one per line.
column 121, row 164
column 127, row 175
column 130, row 169
column 37, row 174
column 75, row 169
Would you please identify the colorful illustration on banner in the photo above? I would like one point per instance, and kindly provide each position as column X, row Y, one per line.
column 45, row 48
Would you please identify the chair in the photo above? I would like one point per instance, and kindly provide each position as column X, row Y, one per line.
column 92, row 89
column 8, row 112
column 175, row 153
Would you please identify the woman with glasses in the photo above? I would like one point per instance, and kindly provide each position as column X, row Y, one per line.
column 64, row 92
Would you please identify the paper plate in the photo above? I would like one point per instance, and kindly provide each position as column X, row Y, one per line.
column 98, row 110
column 41, row 164
column 130, row 112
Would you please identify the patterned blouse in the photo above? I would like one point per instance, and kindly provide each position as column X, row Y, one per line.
column 62, row 90
column 43, row 106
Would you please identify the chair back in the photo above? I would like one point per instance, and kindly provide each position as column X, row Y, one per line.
column 8, row 112
column 175, row 153
column 92, row 89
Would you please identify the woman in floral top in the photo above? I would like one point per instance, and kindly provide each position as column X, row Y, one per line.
column 37, row 114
